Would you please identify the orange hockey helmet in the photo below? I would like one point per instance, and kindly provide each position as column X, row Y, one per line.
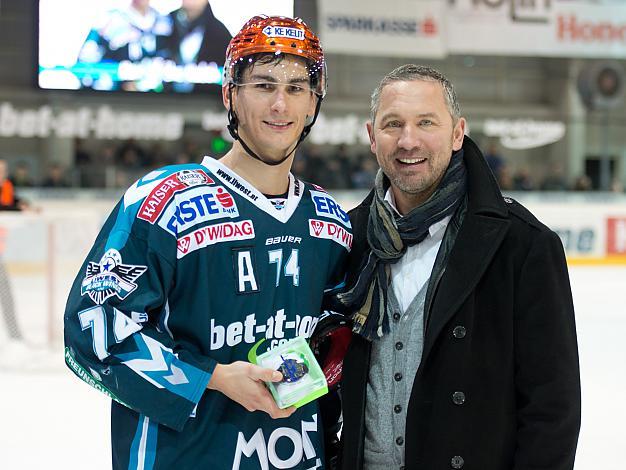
column 277, row 35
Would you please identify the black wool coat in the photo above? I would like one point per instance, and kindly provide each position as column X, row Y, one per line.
column 498, row 386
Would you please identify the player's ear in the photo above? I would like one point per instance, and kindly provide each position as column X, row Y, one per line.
column 226, row 96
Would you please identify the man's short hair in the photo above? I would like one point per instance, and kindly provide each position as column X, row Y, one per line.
column 412, row 72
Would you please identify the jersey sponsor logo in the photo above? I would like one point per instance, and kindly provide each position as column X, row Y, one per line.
column 212, row 234
column 283, row 32
column 330, row 231
column 283, row 239
column 87, row 377
column 261, row 451
column 276, row 328
column 110, row 277
column 158, row 198
column 236, row 184
column 196, row 206
column 326, row 206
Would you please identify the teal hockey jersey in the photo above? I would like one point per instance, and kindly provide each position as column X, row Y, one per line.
column 193, row 267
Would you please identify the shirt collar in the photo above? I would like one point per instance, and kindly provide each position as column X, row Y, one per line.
column 433, row 229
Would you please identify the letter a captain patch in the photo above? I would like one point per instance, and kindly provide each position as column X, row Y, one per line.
column 243, row 264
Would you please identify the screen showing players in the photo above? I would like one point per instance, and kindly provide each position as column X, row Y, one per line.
column 164, row 46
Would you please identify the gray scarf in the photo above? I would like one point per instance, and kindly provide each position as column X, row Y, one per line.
column 389, row 235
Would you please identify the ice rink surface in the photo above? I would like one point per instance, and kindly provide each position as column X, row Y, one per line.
column 52, row 420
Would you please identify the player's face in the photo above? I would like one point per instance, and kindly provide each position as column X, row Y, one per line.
column 272, row 102
column 413, row 138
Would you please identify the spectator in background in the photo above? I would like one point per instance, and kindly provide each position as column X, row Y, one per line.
column 555, row 179
column 182, row 158
column 159, row 156
column 81, row 155
column 363, row 177
column 335, row 177
column 299, row 168
column 8, row 199
column 522, row 180
column 83, row 165
column 21, row 176
column 583, row 183
column 617, row 186
column 345, row 163
column 494, row 161
column 55, row 177
column 131, row 155
column 191, row 148
column 506, row 180
column 316, row 164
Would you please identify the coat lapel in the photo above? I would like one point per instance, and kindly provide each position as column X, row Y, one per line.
column 478, row 239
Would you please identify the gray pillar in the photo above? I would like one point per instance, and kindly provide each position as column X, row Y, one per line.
column 575, row 114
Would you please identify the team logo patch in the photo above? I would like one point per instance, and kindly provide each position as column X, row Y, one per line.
column 325, row 206
column 283, row 32
column 212, row 234
column 153, row 205
column 279, row 204
column 196, row 206
column 110, row 277
column 330, row 231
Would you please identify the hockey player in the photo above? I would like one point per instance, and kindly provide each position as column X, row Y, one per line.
column 199, row 263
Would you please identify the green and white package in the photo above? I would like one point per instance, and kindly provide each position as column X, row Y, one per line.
column 303, row 380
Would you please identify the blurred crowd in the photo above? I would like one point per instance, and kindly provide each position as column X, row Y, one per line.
column 553, row 176
column 332, row 167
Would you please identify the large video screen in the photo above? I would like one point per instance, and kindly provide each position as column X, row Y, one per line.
column 141, row 45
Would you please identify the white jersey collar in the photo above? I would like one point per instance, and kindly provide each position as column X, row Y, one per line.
column 239, row 185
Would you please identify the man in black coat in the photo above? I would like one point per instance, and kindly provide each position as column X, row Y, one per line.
column 464, row 353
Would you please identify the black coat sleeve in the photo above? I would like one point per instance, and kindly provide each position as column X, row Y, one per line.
column 547, row 378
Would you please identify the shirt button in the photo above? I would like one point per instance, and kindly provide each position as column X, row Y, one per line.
column 399, row 440
column 457, row 462
column 459, row 332
column 458, row 398
column 396, row 316
column 397, row 376
column 399, row 346
column 397, row 409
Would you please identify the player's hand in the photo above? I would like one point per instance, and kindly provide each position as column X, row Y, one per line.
column 243, row 382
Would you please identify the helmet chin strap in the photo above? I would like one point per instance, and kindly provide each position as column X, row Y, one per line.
column 233, row 125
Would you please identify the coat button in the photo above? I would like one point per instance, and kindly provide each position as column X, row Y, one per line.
column 457, row 462
column 399, row 346
column 399, row 440
column 397, row 409
column 458, row 398
column 459, row 332
column 397, row 376
column 396, row 316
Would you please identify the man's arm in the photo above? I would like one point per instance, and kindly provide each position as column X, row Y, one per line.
column 547, row 377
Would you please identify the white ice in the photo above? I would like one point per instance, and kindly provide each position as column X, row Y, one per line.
column 53, row 420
